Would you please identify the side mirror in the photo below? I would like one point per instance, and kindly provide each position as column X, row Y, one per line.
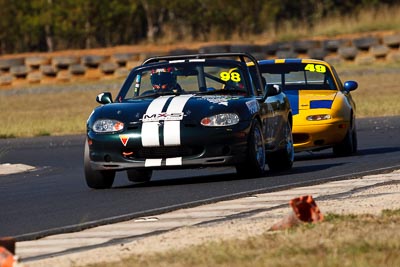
column 350, row 86
column 104, row 98
column 273, row 89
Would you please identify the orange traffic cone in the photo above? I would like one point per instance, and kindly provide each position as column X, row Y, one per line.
column 7, row 250
column 304, row 210
column 6, row 258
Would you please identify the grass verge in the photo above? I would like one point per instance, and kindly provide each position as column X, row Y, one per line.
column 48, row 113
column 341, row 240
column 378, row 91
column 368, row 20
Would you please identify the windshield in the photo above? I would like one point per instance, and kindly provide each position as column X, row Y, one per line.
column 202, row 77
column 299, row 76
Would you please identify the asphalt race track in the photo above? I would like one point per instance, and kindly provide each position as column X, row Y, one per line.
column 54, row 198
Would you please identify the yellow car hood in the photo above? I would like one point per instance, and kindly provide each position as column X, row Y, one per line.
column 310, row 99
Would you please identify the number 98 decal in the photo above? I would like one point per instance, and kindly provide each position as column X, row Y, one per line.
column 233, row 76
column 315, row 68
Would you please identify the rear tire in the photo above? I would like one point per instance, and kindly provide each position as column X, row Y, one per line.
column 254, row 166
column 96, row 179
column 283, row 158
column 139, row 175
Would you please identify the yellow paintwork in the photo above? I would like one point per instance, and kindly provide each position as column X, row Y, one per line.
column 315, row 135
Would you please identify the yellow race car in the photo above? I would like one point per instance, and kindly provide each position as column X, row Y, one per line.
column 323, row 109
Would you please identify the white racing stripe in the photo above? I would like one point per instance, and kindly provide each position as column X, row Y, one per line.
column 168, row 162
column 172, row 129
column 152, row 162
column 173, row 161
column 150, row 130
column 172, row 133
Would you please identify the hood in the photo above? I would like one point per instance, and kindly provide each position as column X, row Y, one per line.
column 310, row 99
column 182, row 107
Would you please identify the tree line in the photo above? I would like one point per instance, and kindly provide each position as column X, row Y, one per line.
column 50, row 25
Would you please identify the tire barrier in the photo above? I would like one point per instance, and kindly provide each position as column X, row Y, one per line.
column 364, row 43
column 36, row 61
column 54, row 67
column 122, row 58
column 245, row 48
column 92, row 61
column 48, row 70
column 214, row 49
column 317, row 53
column 271, row 49
column 6, row 64
column 34, row 77
column 77, row 69
column 63, row 62
column 348, row 52
column 304, row 46
column 379, row 51
column 332, row 46
column 19, row 71
column 392, row 41
column 286, row 54
column 108, row 67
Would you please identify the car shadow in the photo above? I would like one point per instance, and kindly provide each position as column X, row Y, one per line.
column 378, row 150
column 303, row 169
column 232, row 176
column 328, row 154
column 215, row 178
column 184, row 181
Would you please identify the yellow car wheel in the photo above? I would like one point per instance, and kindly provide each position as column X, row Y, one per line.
column 349, row 144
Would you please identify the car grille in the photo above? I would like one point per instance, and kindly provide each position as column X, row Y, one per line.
column 168, row 152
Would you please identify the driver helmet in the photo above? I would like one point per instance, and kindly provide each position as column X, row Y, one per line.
column 163, row 79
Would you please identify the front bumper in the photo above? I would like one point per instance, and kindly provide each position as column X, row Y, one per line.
column 318, row 136
column 199, row 148
column 172, row 163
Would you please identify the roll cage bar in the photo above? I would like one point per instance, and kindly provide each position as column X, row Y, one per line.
column 241, row 56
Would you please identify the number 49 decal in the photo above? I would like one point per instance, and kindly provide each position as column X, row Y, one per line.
column 315, row 68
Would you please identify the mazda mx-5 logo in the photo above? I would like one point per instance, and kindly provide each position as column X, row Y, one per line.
column 163, row 116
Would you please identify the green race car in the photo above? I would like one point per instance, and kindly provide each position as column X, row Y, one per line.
column 189, row 111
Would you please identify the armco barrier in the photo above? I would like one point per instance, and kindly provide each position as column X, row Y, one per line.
column 49, row 68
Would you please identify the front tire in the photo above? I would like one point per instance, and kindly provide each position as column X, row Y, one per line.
column 283, row 159
column 96, row 179
column 254, row 166
column 349, row 144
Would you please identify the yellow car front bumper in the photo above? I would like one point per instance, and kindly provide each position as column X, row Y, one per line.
column 315, row 136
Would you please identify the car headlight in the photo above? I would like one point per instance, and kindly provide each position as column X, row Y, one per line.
column 224, row 119
column 319, row 117
column 107, row 126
